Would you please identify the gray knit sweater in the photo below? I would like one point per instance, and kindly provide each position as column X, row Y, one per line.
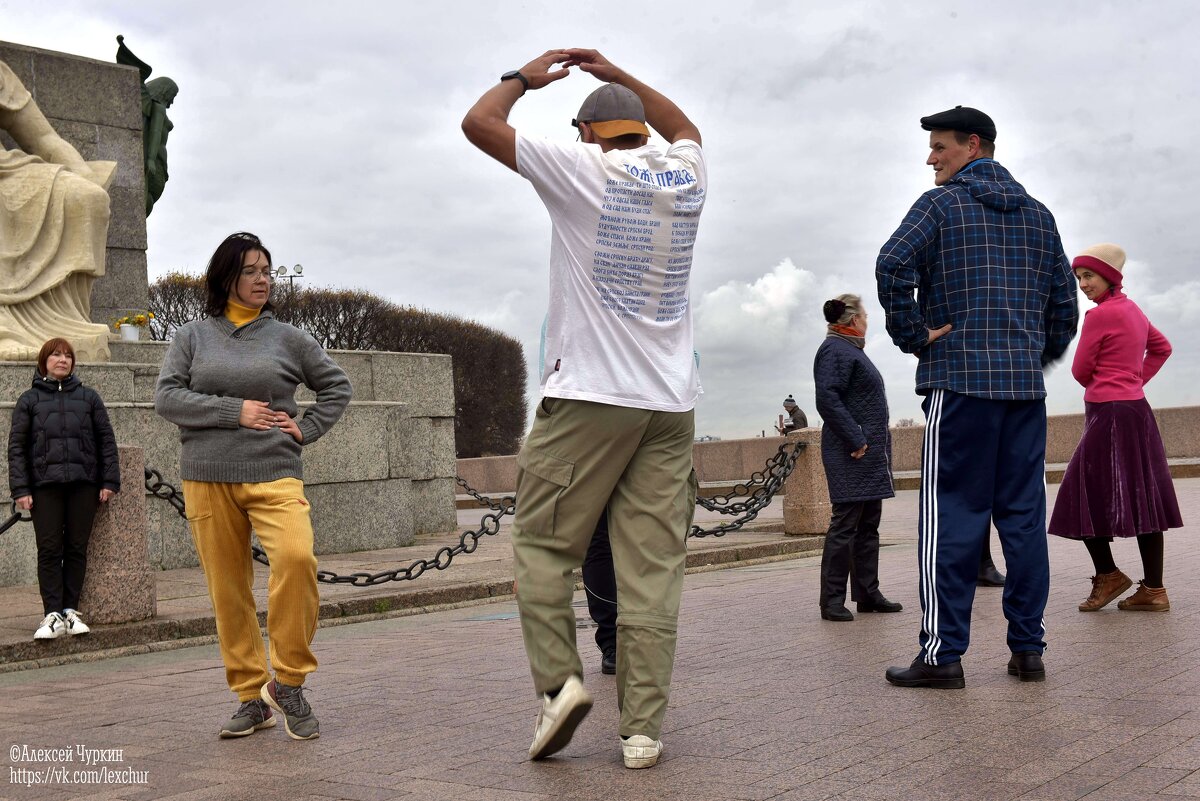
column 212, row 366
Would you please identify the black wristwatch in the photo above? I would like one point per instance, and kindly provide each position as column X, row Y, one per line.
column 511, row 74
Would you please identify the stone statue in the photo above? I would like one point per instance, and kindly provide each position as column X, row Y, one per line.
column 53, row 226
column 157, row 97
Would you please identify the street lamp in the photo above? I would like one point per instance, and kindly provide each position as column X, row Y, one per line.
column 291, row 277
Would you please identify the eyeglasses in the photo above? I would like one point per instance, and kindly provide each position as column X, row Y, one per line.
column 252, row 273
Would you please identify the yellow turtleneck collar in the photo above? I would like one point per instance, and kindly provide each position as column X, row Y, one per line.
column 238, row 314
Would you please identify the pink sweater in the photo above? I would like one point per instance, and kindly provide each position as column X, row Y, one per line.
column 1119, row 351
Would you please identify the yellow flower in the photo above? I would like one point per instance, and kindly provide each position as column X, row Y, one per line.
column 138, row 319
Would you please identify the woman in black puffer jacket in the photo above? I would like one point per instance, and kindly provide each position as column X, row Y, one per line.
column 62, row 462
column 856, row 449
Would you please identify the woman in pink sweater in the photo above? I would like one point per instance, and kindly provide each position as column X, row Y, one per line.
column 1118, row 483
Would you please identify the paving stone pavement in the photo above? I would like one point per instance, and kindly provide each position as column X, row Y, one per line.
column 769, row 702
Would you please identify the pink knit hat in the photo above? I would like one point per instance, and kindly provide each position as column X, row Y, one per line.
column 1105, row 260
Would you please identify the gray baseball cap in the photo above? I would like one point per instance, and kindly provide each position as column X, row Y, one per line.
column 612, row 110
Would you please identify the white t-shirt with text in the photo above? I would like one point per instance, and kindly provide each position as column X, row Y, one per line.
column 619, row 325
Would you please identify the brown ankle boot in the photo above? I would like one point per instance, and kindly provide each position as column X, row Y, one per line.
column 1105, row 587
column 1146, row 599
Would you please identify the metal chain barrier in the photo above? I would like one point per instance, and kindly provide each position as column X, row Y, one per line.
column 17, row 517
column 767, row 484
column 779, row 467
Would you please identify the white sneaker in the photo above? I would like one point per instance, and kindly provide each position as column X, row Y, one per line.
column 53, row 626
column 640, row 751
column 558, row 718
column 75, row 624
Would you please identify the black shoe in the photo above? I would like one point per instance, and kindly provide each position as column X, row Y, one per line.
column 1027, row 666
column 879, row 604
column 608, row 662
column 919, row 674
column 990, row 577
column 837, row 613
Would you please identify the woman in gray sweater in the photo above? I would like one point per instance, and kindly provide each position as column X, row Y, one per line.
column 229, row 383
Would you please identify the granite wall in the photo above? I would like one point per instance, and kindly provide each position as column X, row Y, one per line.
column 383, row 475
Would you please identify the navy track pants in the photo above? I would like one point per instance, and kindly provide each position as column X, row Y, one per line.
column 983, row 462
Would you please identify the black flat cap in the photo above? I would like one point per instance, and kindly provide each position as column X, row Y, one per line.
column 962, row 118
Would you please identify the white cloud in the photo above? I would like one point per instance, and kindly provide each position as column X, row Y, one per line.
column 335, row 136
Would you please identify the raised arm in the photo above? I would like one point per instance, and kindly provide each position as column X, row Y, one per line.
column 486, row 124
column 662, row 114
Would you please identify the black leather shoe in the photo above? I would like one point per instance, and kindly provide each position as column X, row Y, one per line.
column 837, row 613
column 879, row 604
column 919, row 674
column 608, row 662
column 990, row 577
column 1027, row 666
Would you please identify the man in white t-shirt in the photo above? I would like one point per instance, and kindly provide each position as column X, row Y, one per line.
column 615, row 424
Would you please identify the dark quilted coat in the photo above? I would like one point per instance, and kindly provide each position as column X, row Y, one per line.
column 60, row 433
column 853, row 406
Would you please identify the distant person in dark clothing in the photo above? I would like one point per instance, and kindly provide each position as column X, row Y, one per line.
column 989, row 576
column 600, row 586
column 796, row 418
column 856, row 449
column 62, row 463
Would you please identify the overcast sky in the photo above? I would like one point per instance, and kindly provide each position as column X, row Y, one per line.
column 332, row 131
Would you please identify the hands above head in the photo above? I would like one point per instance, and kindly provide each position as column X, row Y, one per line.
column 540, row 72
column 591, row 62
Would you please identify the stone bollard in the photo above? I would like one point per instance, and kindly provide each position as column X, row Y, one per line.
column 806, row 507
column 120, row 586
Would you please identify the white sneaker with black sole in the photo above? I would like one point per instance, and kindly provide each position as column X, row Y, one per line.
column 75, row 624
column 52, row 627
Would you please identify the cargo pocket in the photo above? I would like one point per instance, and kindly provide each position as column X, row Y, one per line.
column 542, row 480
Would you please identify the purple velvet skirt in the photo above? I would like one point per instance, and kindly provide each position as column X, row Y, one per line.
column 1118, row 483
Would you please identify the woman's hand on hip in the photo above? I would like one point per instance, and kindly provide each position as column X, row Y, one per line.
column 256, row 415
column 105, row 494
column 288, row 425
column 24, row 503
column 860, row 453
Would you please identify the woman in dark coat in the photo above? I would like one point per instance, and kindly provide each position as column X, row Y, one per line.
column 856, row 449
column 62, row 462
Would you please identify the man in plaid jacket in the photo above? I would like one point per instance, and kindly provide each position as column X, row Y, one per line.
column 975, row 283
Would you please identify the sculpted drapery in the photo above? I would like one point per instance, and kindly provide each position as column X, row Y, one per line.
column 54, row 213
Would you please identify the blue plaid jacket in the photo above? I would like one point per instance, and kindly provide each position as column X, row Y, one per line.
column 981, row 254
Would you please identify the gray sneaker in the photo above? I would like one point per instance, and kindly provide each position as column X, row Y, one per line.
column 298, row 717
column 251, row 716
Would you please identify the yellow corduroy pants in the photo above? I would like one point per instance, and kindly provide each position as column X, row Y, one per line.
column 221, row 516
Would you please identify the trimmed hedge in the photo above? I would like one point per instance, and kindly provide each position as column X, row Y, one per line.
column 489, row 366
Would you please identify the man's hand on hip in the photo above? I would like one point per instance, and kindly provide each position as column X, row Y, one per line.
column 938, row 333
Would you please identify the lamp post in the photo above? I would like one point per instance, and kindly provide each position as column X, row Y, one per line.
column 291, row 277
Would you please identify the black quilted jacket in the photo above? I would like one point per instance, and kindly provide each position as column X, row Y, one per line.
column 852, row 403
column 60, row 433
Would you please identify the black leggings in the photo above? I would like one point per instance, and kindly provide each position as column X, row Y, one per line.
column 1150, row 546
column 62, row 523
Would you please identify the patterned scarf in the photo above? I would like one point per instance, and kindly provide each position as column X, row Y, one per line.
column 847, row 333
